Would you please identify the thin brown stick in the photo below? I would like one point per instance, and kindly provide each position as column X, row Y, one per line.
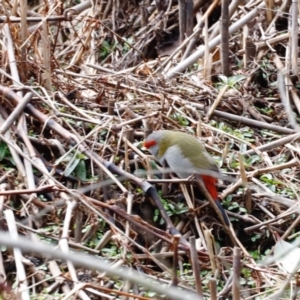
column 195, row 265
column 236, row 273
column 176, row 239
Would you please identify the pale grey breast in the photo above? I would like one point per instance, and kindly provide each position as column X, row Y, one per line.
column 179, row 164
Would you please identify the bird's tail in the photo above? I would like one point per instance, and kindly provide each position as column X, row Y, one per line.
column 223, row 212
column 210, row 184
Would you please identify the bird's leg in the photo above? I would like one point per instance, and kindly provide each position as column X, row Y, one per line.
column 192, row 177
column 189, row 183
column 165, row 175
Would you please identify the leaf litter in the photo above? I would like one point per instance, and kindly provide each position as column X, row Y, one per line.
column 81, row 85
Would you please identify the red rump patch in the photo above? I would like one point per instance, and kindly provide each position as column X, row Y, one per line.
column 210, row 184
column 149, row 144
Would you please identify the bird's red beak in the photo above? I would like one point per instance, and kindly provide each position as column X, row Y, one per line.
column 149, row 144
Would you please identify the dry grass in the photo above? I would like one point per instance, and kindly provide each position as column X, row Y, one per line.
column 80, row 91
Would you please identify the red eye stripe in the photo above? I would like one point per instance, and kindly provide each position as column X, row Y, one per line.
column 149, row 144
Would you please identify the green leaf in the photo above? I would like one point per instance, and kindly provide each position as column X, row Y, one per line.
column 81, row 156
column 81, row 170
column 180, row 119
column 229, row 81
column 255, row 237
column 233, row 205
column 71, row 166
column 243, row 209
column 223, row 78
column 3, row 150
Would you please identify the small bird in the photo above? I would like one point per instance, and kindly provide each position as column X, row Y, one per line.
column 185, row 156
